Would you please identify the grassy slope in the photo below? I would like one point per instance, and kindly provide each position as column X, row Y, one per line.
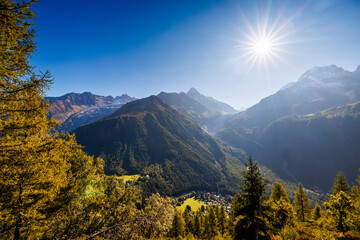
column 193, row 203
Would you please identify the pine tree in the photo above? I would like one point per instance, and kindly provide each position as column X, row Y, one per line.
column 222, row 220
column 355, row 197
column 280, row 208
column 316, row 213
column 217, row 212
column 160, row 211
column 178, row 226
column 197, row 231
column 355, row 190
column 211, row 229
column 187, row 219
column 235, row 212
column 339, row 206
column 69, row 214
column 33, row 167
column 302, row 203
column 340, row 184
column 278, row 193
column 250, row 209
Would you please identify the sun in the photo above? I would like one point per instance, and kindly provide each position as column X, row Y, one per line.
column 265, row 40
column 262, row 47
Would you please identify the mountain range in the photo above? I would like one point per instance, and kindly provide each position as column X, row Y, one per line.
column 308, row 127
column 307, row 131
column 73, row 109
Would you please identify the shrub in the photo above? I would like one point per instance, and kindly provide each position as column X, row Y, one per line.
column 289, row 233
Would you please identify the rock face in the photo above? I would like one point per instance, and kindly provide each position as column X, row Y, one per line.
column 73, row 109
column 150, row 137
column 293, row 128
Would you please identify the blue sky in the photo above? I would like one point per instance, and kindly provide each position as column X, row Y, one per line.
column 143, row 47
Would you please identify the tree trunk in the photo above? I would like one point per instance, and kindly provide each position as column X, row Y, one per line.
column 18, row 220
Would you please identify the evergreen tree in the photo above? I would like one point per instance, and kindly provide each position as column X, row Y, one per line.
column 217, row 213
column 161, row 210
column 188, row 208
column 249, row 210
column 197, row 231
column 67, row 214
column 278, row 193
column 211, row 229
column 280, row 208
column 33, row 166
column 222, row 220
column 355, row 190
column 187, row 219
column 178, row 226
column 355, row 196
column 302, row 203
column 235, row 212
column 340, row 184
column 316, row 214
column 339, row 206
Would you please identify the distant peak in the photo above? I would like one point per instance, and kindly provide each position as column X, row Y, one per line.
column 148, row 104
column 193, row 91
column 122, row 96
column 321, row 73
column 358, row 69
column 151, row 100
column 326, row 68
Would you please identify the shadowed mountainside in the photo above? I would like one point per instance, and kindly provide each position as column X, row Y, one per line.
column 306, row 127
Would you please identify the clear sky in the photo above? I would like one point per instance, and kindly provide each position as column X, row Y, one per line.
column 143, row 47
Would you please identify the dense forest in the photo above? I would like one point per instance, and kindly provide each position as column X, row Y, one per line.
column 51, row 189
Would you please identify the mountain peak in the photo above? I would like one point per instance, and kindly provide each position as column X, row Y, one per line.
column 326, row 69
column 124, row 98
column 357, row 69
column 193, row 91
column 149, row 104
column 319, row 74
column 211, row 104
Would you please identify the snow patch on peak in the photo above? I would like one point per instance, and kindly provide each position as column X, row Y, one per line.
column 124, row 98
column 320, row 75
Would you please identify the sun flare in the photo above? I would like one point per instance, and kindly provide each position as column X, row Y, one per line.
column 265, row 40
column 262, row 47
